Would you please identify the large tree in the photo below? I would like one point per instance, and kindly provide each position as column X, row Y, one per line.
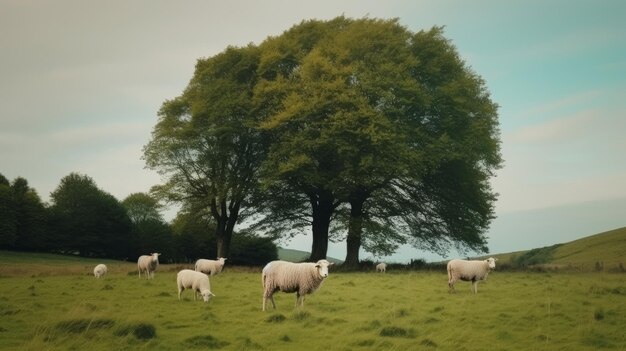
column 88, row 221
column 22, row 216
column 31, row 216
column 8, row 220
column 389, row 122
column 205, row 143
column 387, row 126
column 150, row 233
column 297, row 98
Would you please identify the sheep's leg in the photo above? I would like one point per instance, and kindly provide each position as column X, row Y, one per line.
column 195, row 295
column 180, row 291
column 273, row 303
column 271, row 297
column 475, row 286
column 451, row 286
column 299, row 299
column 268, row 296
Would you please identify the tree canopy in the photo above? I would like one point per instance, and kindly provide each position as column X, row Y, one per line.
column 389, row 123
column 363, row 123
column 22, row 216
column 205, row 143
column 89, row 221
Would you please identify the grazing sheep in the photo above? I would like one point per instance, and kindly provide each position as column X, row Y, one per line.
column 301, row 278
column 381, row 267
column 210, row 267
column 149, row 264
column 100, row 270
column 198, row 282
column 469, row 271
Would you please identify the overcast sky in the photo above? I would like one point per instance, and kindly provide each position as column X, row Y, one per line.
column 81, row 83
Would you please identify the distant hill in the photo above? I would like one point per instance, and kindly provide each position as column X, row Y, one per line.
column 603, row 251
column 299, row 256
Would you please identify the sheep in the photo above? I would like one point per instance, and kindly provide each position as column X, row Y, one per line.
column 301, row 278
column 100, row 270
column 198, row 282
column 149, row 264
column 381, row 267
column 210, row 267
column 469, row 271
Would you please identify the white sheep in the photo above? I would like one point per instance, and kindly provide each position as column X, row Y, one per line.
column 100, row 270
column 198, row 282
column 301, row 278
column 381, row 267
column 210, row 267
column 469, row 271
column 149, row 264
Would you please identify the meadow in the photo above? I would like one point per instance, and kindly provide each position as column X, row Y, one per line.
column 66, row 308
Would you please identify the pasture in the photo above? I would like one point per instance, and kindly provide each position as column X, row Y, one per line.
column 42, row 309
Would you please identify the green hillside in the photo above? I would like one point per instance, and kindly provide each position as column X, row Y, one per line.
column 608, row 247
column 603, row 251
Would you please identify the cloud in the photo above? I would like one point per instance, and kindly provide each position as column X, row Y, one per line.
column 571, row 157
column 557, row 130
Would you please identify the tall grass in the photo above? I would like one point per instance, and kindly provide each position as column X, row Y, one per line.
column 351, row 311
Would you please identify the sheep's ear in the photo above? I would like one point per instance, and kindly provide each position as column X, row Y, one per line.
column 331, row 263
column 212, row 294
column 317, row 266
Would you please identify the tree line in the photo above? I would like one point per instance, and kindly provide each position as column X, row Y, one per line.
column 355, row 130
column 84, row 220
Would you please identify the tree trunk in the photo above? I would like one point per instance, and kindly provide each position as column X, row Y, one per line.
column 223, row 240
column 323, row 206
column 355, row 229
column 226, row 218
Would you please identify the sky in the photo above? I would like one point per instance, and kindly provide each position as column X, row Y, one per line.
column 81, row 83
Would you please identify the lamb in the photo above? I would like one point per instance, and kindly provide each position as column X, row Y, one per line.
column 210, row 267
column 301, row 278
column 381, row 267
column 469, row 271
column 198, row 282
column 100, row 270
column 149, row 264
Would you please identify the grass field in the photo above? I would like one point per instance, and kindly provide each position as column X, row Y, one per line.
column 41, row 309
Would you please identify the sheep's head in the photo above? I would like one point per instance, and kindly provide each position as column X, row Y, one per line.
column 221, row 259
column 322, row 267
column 155, row 257
column 206, row 295
column 492, row 262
